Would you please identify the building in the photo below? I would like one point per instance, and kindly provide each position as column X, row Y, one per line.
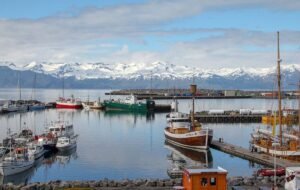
column 206, row 179
column 232, row 93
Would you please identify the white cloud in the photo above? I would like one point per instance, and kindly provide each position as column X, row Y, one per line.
column 93, row 35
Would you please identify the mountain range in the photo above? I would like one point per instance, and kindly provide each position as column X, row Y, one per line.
column 140, row 75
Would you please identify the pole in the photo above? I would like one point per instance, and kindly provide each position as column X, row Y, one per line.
column 279, row 90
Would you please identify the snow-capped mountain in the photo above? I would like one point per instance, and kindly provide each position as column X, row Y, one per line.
column 158, row 70
column 138, row 75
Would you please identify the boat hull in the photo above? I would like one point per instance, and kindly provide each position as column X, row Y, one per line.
column 10, row 168
column 66, row 148
column 139, row 107
column 68, row 106
column 191, row 140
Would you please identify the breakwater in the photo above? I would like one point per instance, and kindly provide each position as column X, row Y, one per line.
column 237, row 182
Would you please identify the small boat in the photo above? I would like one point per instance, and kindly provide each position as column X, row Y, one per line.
column 60, row 128
column 36, row 150
column 66, row 143
column 93, row 105
column 271, row 172
column 9, row 107
column 37, row 106
column 130, row 103
column 48, row 141
column 292, row 178
column 16, row 162
column 70, row 103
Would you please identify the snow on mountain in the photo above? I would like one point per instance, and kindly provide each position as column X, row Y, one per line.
column 159, row 70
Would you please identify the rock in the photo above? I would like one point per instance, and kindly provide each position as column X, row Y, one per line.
column 150, row 183
column 177, row 181
column 160, row 183
column 169, row 183
column 124, row 183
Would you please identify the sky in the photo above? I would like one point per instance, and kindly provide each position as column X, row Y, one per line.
column 209, row 34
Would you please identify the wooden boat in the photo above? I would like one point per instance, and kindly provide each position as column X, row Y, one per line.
column 192, row 136
column 284, row 144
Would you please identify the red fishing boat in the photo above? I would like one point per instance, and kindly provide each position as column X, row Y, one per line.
column 70, row 103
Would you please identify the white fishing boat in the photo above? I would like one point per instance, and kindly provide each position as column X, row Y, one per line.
column 66, row 143
column 61, row 128
column 35, row 150
column 16, row 162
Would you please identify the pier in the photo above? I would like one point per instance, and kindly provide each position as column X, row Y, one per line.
column 238, row 118
column 251, row 156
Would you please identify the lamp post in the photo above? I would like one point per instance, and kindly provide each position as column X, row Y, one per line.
column 275, row 144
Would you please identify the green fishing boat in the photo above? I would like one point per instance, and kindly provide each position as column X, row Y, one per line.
column 130, row 103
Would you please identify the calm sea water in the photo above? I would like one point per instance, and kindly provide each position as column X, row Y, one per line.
column 118, row 145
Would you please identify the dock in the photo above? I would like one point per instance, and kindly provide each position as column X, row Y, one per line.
column 260, row 158
column 238, row 118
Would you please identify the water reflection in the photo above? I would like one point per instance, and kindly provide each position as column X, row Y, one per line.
column 127, row 114
column 181, row 158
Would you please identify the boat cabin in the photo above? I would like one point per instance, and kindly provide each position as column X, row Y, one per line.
column 206, row 179
column 61, row 128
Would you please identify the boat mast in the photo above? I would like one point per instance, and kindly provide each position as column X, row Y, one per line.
column 19, row 86
column 299, row 107
column 63, row 84
column 279, row 90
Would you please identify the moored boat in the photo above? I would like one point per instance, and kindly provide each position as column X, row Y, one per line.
column 284, row 144
column 66, row 143
column 190, row 135
column 93, row 105
column 70, row 103
column 16, row 162
column 130, row 103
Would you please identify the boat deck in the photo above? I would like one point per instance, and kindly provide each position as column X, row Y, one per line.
column 252, row 156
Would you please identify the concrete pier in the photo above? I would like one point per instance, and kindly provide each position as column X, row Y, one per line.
column 252, row 156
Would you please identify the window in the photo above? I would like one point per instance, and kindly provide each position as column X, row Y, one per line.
column 203, row 182
column 213, row 181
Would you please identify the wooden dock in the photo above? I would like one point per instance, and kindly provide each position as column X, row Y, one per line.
column 252, row 156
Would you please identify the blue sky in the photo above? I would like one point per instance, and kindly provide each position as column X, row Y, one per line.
column 208, row 34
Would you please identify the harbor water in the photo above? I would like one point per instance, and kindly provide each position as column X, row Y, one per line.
column 119, row 145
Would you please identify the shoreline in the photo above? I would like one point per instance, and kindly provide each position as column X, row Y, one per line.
column 237, row 182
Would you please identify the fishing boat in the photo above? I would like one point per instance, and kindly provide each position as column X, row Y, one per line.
column 192, row 136
column 61, row 128
column 70, row 103
column 66, row 143
column 93, row 105
column 130, row 103
column 285, row 144
column 36, row 150
column 16, row 162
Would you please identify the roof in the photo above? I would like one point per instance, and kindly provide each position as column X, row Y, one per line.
column 205, row 170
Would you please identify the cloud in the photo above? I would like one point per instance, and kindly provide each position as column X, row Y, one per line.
column 91, row 35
